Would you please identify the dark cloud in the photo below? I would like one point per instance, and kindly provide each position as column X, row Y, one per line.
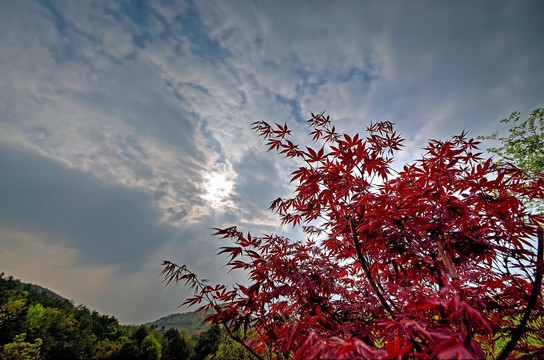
column 258, row 183
column 108, row 224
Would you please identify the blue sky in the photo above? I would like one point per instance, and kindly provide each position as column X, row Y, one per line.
column 125, row 126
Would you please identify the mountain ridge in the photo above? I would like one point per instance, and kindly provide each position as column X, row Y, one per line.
column 29, row 286
column 190, row 321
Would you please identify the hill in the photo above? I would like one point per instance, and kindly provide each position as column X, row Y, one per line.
column 43, row 291
column 44, row 325
column 188, row 321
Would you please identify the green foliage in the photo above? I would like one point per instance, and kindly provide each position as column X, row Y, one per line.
column 42, row 315
column 8, row 286
column 12, row 318
column 150, row 348
column 176, row 345
column 35, row 317
column 36, row 323
column 524, row 146
column 231, row 350
column 19, row 349
column 106, row 349
column 141, row 345
column 208, row 343
column 141, row 333
column 129, row 350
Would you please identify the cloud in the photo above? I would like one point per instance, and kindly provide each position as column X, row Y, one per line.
column 133, row 298
column 87, row 108
column 50, row 264
column 98, row 243
column 117, row 116
column 422, row 58
column 107, row 224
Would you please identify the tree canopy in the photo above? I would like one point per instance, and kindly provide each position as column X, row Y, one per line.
column 434, row 260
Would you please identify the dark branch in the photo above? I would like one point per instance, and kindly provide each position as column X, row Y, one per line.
column 539, row 272
column 366, row 268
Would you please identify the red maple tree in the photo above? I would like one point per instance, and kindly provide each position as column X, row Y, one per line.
column 439, row 260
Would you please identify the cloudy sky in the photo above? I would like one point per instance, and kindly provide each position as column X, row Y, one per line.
column 125, row 126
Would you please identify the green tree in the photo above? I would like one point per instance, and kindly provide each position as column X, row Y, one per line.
column 524, row 145
column 141, row 333
column 19, row 349
column 12, row 319
column 150, row 348
column 35, row 317
column 129, row 350
column 142, row 345
column 62, row 330
column 64, row 337
column 208, row 343
column 8, row 287
column 106, row 349
column 175, row 345
column 231, row 350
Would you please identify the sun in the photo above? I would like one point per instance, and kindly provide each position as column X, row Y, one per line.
column 217, row 189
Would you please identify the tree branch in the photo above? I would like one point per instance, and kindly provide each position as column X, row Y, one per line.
column 448, row 263
column 237, row 338
column 366, row 268
column 531, row 302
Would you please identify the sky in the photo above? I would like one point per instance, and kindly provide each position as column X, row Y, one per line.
column 125, row 126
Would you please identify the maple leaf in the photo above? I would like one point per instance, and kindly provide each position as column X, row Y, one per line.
column 436, row 260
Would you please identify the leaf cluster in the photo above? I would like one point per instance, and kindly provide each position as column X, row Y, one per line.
column 439, row 260
column 524, row 145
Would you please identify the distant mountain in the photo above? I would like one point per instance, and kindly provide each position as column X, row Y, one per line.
column 41, row 289
column 189, row 321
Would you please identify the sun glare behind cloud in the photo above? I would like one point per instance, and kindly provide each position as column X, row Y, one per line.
column 217, row 189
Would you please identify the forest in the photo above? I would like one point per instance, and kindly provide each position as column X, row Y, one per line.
column 35, row 323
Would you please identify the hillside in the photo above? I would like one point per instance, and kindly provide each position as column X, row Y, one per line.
column 43, row 323
column 189, row 321
column 37, row 323
column 42, row 290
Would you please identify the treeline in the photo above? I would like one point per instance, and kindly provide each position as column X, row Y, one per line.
column 35, row 324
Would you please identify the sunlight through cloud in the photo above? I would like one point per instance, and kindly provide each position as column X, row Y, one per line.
column 217, row 188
